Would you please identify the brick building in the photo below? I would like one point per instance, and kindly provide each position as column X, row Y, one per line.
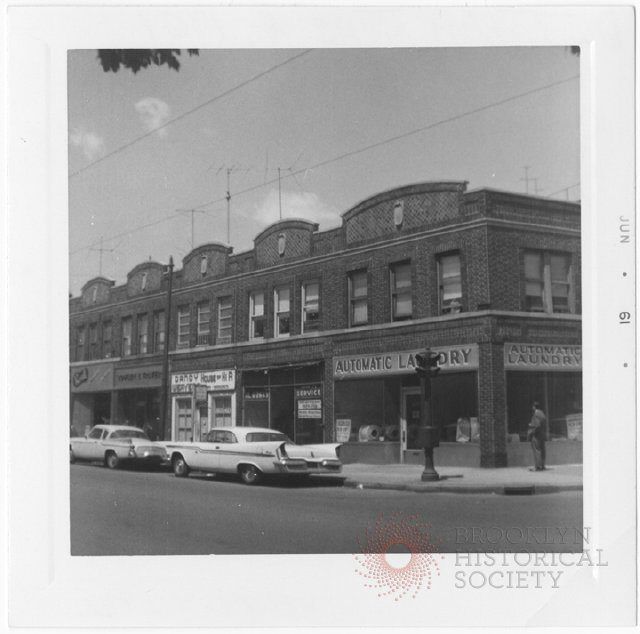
column 314, row 332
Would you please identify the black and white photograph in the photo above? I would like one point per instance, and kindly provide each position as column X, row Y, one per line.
column 337, row 317
column 341, row 275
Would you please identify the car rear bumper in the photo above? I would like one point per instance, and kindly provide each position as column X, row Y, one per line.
column 301, row 466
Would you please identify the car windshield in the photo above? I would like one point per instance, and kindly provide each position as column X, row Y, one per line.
column 266, row 436
column 129, row 433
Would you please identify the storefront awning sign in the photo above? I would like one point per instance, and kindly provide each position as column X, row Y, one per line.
column 542, row 357
column 214, row 380
column 403, row 362
column 97, row 377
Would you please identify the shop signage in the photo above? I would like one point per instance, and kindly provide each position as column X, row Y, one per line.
column 129, row 378
column 95, row 377
column 214, row 380
column 255, row 394
column 343, row 429
column 309, row 391
column 547, row 357
column 362, row 365
column 310, row 408
column 200, row 392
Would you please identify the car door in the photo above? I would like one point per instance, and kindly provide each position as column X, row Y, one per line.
column 205, row 455
column 227, row 452
column 97, row 448
column 85, row 448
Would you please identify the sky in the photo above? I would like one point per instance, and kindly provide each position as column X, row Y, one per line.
column 341, row 124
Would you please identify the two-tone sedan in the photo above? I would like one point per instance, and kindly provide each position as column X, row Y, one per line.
column 252, row 452
column 114, row 445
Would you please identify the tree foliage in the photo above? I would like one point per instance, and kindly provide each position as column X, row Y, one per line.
column 112, row 59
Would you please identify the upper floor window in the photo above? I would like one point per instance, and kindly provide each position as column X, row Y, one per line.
column 282, row 311
column 184, row 319
column 225, row 309
column 310, row 306
column 93, row 341
column 204, row 325
column 126, row 336
column 256, row 315
column 143, row 334
column 80, row 334
column 548, row 282
column 358, row 291
column 449, row 284
column 107, row 339
column 401, row 292
column 159, row 331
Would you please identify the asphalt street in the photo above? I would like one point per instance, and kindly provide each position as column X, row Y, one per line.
column 133, row 512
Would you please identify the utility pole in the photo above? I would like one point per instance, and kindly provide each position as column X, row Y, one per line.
column 165, row 418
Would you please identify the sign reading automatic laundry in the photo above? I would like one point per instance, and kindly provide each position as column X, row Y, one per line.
column 403, row 362
column 538, row 356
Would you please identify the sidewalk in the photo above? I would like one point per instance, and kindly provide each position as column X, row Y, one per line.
column 510, row 480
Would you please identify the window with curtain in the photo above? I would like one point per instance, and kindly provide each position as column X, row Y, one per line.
column 256, row 313
column 449, row 283
column 401, row 291
column 282, row 311
column 310, row 306
column 358, row 298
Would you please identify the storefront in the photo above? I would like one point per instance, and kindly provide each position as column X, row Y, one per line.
column 91, row 393
column 377, row 396
column 200, row 401
column 137, row 398
column 288, row 399
column 550, row 374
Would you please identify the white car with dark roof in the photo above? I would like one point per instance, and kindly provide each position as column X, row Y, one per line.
column 252, row 453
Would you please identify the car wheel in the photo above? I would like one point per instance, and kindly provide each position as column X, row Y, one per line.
column 250, row 474
column 72, row 456
column 180, row 467
column 111, row 460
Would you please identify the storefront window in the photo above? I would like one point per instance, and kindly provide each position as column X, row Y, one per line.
column 559, row 394
column 221, row 411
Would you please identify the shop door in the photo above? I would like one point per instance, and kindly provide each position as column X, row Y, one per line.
column 409, row 419
column 184, row 420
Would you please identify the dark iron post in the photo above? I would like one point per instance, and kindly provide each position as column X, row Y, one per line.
column 427, row 368
column 165, row 418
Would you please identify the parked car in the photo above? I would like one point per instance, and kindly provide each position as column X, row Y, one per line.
column 252, row 452
column 116, row 444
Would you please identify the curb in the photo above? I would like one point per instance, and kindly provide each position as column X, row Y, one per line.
column 539, row 489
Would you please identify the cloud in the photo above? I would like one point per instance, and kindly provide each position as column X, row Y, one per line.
column 90, row 143
column 305, row 205
column 153, row 113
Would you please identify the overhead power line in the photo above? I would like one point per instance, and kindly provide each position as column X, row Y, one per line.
column 187, row 113
column 366, row 148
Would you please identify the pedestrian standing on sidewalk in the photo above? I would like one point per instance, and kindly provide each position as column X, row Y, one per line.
column 537, row 435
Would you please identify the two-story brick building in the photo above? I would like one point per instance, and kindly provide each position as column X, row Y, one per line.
column 314, row 332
